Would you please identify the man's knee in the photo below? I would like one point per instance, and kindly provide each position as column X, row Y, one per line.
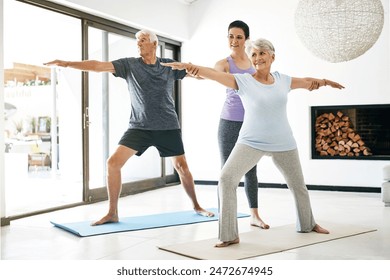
column 113, row 163
column 182, row 169
column 180, row 164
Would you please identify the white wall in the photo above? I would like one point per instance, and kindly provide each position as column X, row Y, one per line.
column 366, row 79
column 202, row 27
column 168, row 17
column 2, row 182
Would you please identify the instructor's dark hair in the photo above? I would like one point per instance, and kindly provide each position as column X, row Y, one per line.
column 240, row 24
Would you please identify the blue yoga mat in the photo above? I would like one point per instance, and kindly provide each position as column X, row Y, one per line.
column 84, row 228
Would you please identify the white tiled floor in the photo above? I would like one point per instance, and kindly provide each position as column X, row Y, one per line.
column 34, row 238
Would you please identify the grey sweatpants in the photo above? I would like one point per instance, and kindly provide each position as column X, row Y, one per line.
column 228, row 132
column 242, row 159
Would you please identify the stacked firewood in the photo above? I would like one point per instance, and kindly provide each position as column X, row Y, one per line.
column 335, row 136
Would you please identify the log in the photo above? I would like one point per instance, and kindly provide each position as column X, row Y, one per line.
column 336, row 136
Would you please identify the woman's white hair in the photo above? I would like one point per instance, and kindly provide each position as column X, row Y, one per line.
column 259, row 44
column 152, row 35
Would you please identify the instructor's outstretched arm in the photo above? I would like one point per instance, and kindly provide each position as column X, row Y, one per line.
column 225, row 79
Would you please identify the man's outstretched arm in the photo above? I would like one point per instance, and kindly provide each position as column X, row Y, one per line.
column 85, row 65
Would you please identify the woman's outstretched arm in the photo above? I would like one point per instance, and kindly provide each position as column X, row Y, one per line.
column 313, row 83
column 225, row 79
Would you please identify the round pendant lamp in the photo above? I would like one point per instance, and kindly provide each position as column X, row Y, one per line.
column 339, row 30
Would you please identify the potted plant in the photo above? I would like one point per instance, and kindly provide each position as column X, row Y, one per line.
column 19, row 127
column 33, row 123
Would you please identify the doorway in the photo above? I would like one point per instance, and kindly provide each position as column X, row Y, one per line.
column 61, row 124
column 42, row 140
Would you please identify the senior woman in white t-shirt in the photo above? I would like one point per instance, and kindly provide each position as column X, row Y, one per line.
column 265, row 132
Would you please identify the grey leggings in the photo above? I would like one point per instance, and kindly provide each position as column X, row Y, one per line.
column 227, row 137
column 240, row 161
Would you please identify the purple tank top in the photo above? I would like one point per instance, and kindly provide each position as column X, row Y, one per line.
column 232, row 109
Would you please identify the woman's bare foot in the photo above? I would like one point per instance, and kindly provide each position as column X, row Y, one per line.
column 317, row 228
column 202, row 212
column 109, row 218
column 257, row 222
column 227, row 243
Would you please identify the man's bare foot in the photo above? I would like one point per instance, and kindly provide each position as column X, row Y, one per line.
column 202, row 212
column 107, row 219
column 227, row 243
column 257, row 222
column 317, row 228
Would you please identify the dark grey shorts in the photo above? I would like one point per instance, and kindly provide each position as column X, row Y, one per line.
column 168, row 142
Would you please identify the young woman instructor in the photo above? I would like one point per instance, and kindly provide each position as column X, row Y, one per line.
column 232, row 114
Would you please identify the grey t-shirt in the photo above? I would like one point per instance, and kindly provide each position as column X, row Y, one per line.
column 150, row 87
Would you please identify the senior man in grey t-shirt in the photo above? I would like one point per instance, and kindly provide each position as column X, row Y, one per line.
column 153, row 119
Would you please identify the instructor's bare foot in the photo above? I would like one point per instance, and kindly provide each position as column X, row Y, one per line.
column 317, row 228
column 227, row 243
column 257, row 222
column 109, row 218
column 202, row 212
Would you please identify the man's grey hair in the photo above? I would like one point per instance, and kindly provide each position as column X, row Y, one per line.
column 259, row 44
column 151, row 34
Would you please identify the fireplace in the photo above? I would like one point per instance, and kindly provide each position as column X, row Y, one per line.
column 351, row 132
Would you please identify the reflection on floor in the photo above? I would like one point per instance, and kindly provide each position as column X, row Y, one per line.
column 34, row 238
column 40, row 189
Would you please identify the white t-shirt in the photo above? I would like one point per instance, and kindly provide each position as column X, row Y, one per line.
column 265, row 126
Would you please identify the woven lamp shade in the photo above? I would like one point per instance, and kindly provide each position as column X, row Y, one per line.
column 339, row 30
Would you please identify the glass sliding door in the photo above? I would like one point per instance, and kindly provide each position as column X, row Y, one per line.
column 108, row 116
column 43, row 159
column 169, row 51
column 62, row 124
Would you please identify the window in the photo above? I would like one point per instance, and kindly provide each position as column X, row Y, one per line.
column 54, row 157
